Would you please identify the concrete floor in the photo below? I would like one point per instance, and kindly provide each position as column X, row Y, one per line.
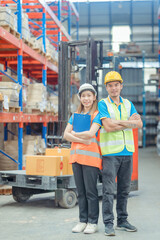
column 39, row 219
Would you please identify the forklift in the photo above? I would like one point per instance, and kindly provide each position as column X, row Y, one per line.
column 24, row 186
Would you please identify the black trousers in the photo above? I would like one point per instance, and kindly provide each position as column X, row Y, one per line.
column 120, row 166
column 86, row 183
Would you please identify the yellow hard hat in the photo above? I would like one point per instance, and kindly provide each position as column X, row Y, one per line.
column 112, row 76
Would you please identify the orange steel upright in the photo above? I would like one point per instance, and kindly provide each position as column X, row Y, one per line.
column 134, row 185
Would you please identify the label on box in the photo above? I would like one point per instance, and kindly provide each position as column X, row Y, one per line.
column 40, row 165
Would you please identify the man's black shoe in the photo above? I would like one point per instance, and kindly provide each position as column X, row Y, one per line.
column 126, row 226
column 109, row 230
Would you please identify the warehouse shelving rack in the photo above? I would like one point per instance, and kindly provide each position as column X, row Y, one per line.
column 147, row 106
column 21, row 57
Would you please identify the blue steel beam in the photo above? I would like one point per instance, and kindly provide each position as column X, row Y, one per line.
column 38, row 25
column 110, row 25
column 8, row 156
column 5, row 131
column 8, row 76
column 77, row 22
column 19, row 74
column 59, row 18
column 74, row 8
column 89, row 19
column 144, row 102
column 152, row 26
column 131, row 19
column 19, row 17
column 69, row 20
column 159, row 47
column 44, row 29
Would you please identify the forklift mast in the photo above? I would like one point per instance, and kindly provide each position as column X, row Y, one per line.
column 68, row 63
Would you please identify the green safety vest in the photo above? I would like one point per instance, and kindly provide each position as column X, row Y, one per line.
column 114, row 142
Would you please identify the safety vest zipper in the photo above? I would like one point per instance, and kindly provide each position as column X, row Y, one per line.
column 124, row 138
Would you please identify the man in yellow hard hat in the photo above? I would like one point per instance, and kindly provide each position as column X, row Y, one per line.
column 118, row 117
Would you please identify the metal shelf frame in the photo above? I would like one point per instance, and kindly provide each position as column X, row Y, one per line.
column 22, row 58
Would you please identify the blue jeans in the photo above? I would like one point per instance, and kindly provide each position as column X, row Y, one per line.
column 120, row 166
column 86, row 183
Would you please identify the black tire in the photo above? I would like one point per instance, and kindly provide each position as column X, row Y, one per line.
column 20, row 194
column 68, row 200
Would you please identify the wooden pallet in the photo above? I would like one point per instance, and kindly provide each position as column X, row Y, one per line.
column 38, row 112
column 12, row 110
column 5, row 190
column 49, row 113
column 39, row 51
column 49, row 58
column 33, row 111
column 28, row 43
column 9, row 29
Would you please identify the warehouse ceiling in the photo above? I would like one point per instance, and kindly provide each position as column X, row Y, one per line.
column 97, row 19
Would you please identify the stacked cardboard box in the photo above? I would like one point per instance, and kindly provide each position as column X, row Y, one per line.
column 46, row 165
column 54, row 163
column 65, row 152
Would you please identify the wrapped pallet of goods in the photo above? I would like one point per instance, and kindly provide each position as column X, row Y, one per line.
column 10, row 93
column 6, row 19
column 26, row 35
column 1, row 67
column 1, row 102
column 39, row 41
column 74, row 103
column 53, row 100
column 36, row 44
column 36, row 98
column 11, row 148
column 33, row 145
column 26, row 82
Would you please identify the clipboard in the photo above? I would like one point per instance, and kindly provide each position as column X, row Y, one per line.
column 81, row 122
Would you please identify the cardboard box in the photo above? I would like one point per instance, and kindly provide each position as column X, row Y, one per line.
column 46, row 165
column 65, row 152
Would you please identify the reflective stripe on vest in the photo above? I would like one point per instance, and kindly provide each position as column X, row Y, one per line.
column 94, row 140
column 87, row 154
column 114, row 142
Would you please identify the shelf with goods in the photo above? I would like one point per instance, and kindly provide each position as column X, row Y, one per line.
column 28, row 62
